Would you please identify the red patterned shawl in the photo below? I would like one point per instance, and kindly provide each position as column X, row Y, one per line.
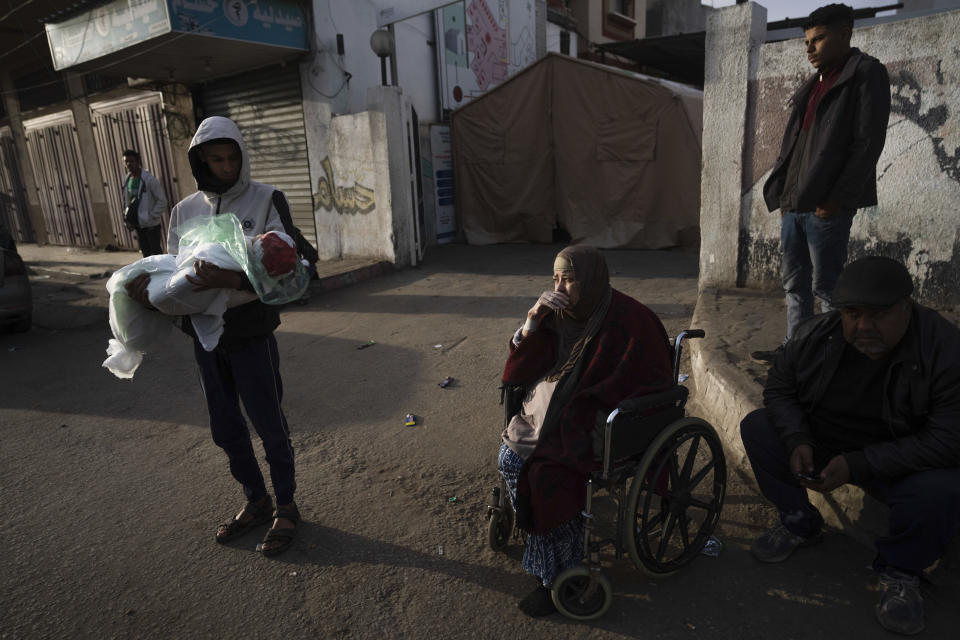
column 630, row 356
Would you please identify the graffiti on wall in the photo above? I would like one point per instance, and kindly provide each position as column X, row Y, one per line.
column 918, row 175
column 907, row 99
column 918, row 94
column 357, row 199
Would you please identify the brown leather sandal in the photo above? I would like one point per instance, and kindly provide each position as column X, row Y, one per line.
column 235, row 528
column 284, row 536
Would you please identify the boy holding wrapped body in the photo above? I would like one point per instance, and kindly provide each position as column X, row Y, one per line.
column 245, row 364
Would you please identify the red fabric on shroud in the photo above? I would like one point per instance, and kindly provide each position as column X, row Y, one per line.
column 279, row 257
column 629, row 357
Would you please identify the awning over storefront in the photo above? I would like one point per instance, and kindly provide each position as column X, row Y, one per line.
column 179, row 40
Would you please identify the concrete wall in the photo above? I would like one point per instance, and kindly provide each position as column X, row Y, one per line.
column 670, row 17
column 325, row 73
column 553, row 32
column 357, row 222
column 734, row 35
column 916, row 220
column 589, row 16
column 181, row 125
column 362, row 208
column 392, row 155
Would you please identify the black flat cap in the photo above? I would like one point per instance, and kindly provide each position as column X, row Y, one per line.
column 873, row 281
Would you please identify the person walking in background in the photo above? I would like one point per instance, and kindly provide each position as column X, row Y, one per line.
column 144, row 193
column 827, row 167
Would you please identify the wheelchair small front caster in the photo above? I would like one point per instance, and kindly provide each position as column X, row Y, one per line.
column 500, row 527
column 582, row 594
column 500, row 521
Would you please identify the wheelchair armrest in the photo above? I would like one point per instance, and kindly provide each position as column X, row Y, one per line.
column 676, row 396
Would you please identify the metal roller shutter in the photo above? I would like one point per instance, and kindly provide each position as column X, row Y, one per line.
column 13, row 205
column 61, row 179
column 267, row 106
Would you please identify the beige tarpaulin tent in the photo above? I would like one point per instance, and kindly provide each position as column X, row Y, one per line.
column 612, row 157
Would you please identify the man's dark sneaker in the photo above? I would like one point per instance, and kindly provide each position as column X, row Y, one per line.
column 766, row 357
column 778, row 543
column 900, row 608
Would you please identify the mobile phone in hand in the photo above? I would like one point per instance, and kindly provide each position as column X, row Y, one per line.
column 808, row 477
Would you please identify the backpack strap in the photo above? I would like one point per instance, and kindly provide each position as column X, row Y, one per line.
column 280, row 204
column 304, row 248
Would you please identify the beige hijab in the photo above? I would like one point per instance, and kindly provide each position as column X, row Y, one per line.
column 578, row 325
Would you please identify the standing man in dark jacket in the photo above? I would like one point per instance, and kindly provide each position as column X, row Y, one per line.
column 827, row 167
column 867, row 395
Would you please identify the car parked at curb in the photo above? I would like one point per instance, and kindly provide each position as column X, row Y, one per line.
column 16, row 299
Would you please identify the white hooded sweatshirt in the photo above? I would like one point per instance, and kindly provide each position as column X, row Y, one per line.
column 251, row 202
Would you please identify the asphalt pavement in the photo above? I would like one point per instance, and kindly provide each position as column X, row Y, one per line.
column 112, row 489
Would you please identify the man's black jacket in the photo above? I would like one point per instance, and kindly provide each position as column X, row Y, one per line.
column 846, row 139
column 921, row 399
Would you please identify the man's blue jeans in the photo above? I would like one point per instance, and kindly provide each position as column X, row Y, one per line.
column 814, row 252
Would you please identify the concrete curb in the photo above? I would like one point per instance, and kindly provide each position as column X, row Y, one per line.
column 97, row 264
column 33, row 269
column 726, row 394
column 723, row 392
column 353, row 276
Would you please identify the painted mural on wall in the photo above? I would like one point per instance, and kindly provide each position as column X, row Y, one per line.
column 918, row 174
column 487, row 41
column 522, row 36
column 918, row 94
column 918, row 178
column 345, row 200
column 483, row 43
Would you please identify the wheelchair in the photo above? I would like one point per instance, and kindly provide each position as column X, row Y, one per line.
column 666, row 474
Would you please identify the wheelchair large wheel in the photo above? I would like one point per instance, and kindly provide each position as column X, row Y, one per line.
column 500, row 527
column 675, row 497
column 582, row 594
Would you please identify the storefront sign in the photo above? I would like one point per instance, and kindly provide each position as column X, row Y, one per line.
column 123, row 23
column 106, row 29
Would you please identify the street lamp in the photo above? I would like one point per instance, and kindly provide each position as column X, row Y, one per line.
column 382, row 44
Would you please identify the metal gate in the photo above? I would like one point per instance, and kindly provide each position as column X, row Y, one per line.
column 267, row 106
column 13, row 206
column 61, row 181
column 137, row 123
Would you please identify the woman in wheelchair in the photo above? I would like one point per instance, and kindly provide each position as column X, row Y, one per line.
column 584, row 348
